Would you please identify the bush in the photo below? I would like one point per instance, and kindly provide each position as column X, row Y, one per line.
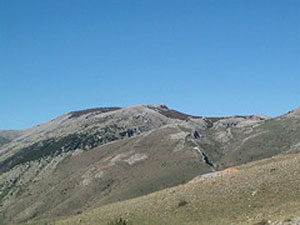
column 118, row 222
column 182, row 203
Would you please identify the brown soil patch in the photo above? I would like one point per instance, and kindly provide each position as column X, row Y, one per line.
column 229, row 171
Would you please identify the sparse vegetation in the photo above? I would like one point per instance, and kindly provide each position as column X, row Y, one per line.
column 224, row 199
column 118, row 222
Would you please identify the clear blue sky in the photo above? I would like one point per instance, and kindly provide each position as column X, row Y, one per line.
column 203, row 57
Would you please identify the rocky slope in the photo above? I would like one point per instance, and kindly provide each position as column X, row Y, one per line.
column 86, row 159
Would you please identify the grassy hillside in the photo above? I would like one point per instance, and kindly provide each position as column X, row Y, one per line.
column 114, row 172
column 262, row 192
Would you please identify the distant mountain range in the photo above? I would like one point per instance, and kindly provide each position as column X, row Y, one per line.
column 88, row 159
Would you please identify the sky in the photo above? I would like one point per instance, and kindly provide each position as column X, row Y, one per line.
column 201, row 57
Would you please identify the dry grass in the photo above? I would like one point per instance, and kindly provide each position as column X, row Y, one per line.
column 267, row 190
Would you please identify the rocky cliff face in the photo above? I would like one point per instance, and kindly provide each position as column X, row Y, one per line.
column 89, row 158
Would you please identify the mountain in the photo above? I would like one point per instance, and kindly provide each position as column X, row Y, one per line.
column 90, row 158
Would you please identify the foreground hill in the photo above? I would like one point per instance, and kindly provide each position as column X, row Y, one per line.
column 87, row 159
column 259, row 193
